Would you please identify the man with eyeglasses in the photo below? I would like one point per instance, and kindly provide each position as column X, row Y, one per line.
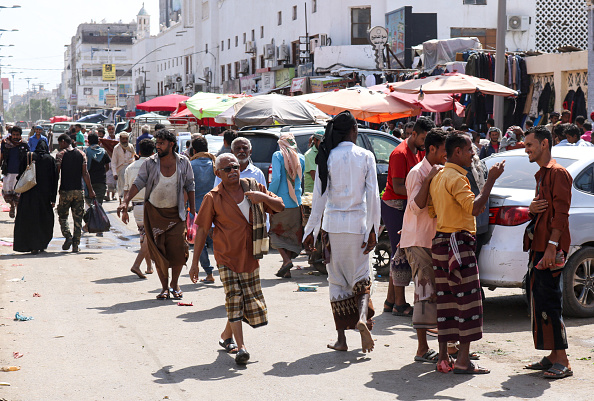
column 167, row 178
column 237, row 208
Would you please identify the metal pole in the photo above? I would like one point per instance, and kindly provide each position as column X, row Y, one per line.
column 500, row 61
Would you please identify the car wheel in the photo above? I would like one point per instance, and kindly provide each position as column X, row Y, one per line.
column 382, row 258
column 578, row 284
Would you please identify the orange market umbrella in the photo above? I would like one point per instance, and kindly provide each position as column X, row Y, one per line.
column 453, row 83
column 435, row 102
column 364, row 104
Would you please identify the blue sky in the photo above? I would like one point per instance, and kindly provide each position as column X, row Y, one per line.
column 46, row 26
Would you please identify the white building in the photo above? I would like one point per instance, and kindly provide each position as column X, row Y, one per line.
column 86, row 80
column 256, row 46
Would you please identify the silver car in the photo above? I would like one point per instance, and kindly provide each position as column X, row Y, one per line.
column 502, row 263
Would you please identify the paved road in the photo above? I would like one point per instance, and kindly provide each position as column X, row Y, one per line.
column 99, row 333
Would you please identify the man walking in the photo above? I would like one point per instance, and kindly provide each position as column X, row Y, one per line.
column 346, row 194
column 146, row 148
column 404, row 157
column 548, row 248
column 97, row 164
column 12, row 152
column 310, row 162
column 459, row 304
column 72, row 167
column 167, row 178
column 123, row 156
column 34, row 140
column 418, row 230
column 237, row 209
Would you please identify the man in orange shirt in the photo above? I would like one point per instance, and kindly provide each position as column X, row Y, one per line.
column 406, row 155
column 237, row 208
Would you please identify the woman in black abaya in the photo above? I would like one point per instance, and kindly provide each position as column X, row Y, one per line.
column 34, row 222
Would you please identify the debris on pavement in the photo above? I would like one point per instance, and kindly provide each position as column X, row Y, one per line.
column 17, row 264
column 185, row 304
column 5, row 243
column 22, row 318
column 36, row 295
column 307, row 288
column 10, row 368
column 17, row 355
column 14, row 280
column 4, row 384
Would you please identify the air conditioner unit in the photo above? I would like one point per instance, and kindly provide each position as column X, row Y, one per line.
column 189, row 78
column 518, row 22
column 178, row 78
column 284, row 52
column 199, row 88
column 269, row 51
column 179, row 87
column 250, row 47
column 323, row 39
column 313, row 43
column 206, row 72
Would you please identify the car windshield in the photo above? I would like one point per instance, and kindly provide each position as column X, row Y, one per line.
column 263, row 147
column 519, row 172
column 61, row 127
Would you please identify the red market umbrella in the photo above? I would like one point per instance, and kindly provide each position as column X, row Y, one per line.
column 162, row 103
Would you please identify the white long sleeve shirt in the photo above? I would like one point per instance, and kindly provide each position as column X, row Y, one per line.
column 120, row 157
column 351, row 203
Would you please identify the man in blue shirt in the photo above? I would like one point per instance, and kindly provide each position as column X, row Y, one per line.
column 145, row 134
column 242, row 149
column 34, row 140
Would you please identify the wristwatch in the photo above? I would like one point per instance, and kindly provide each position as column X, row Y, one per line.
column 554, row 243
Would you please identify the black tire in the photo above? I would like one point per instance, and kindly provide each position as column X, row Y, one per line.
column 381, row 262
column 578, row 284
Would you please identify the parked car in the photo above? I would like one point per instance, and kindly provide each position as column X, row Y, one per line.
column 502, row 263
column 264, row 144
column 64, row 126
column 215, row 143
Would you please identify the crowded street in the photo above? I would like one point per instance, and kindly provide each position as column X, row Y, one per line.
column 253, row 200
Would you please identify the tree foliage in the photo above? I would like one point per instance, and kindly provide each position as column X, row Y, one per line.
column 41, row 109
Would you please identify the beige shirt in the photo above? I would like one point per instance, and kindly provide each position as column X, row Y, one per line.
column 164, row 195
column 129, row 177
column 120, row 158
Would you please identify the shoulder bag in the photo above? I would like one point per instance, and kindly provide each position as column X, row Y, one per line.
column 29, row 177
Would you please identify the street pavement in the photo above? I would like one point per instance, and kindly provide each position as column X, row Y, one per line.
column 98, row 333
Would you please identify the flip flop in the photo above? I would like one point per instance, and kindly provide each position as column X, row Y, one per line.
column 399, row 310
column 544, row 364
column 558, row 371
column 284, row 270
column 176, row 294
column 205, row 281
column 388, row 307
column 430, row 356
column 229, row 345
column 472, row 370
column 242, row 357
column 473, row 356
column 163, row 295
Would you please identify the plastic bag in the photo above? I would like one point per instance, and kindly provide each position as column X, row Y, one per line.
column 191, row 228
column 96, row 218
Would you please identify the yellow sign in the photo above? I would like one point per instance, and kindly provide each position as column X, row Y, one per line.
column 109, row 72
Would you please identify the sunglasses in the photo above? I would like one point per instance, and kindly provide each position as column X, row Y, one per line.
column 230, row 167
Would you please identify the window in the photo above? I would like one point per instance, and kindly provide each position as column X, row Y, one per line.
column 314, row 6
column 262, row 32
column 253, row 65
column 206, row 48
column 228, row 43
column 360, row 24
column 585, row 181
column 294, row 13
column 475, row 2
column 237, row 69
column 253, row 35
column 262, row 62
column 229, row 71
column 222, row 73
column 244, row 38
column 280, row 18
column 222, row 45
column 236, row 41
column 382, row 148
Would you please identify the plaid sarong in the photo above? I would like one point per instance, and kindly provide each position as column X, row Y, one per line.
column 243, row 297
column 259, row 232
column 459, row 303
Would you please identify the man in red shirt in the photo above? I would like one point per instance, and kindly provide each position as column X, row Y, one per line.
column 406, row 155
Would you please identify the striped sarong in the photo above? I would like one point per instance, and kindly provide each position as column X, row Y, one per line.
column 459, row 303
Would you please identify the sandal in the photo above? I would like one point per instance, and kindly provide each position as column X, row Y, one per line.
column 558, row 371
column 205, row 281
column 430, row 356
column 399, row 310
column 388, row 306
column 544, row 364
column 229, row 345
column 284, row 270
column 472, row 370
column 473, row 356
column 176, row 294
column 242, row 357
column 163, row 295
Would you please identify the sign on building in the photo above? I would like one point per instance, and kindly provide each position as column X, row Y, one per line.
column 109, row 72
column 110, row 100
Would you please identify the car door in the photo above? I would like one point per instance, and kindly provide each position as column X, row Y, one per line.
column 381, row 146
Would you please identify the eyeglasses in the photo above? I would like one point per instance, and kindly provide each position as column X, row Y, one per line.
column 229, row 168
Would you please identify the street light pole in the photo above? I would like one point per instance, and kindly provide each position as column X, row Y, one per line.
column 500, row 61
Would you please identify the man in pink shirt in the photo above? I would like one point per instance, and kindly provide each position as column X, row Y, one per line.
column 418, row 230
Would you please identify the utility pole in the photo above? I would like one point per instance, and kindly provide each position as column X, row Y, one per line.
column 500, row 61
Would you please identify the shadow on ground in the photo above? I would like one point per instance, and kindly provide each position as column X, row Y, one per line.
column 531, row 385
column 224, row 367
column 316, row 364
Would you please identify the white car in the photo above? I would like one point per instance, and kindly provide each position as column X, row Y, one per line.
column 502, row 263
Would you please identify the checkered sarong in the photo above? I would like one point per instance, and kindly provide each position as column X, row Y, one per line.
column 243, row 297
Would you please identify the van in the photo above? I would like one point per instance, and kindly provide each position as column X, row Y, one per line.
column 64, row 126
